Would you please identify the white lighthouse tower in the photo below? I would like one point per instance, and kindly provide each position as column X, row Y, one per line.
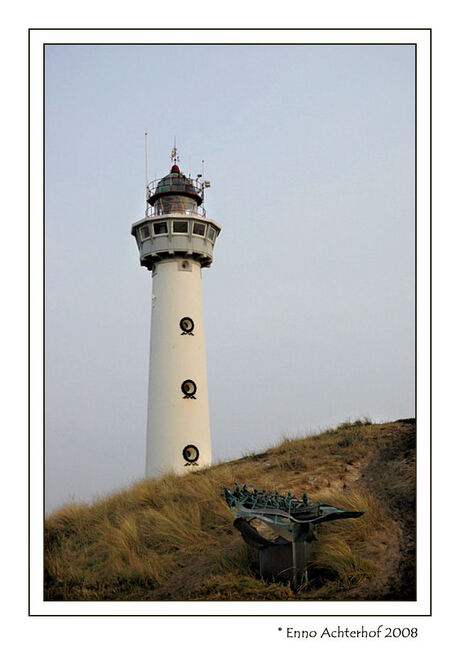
column 176, row 240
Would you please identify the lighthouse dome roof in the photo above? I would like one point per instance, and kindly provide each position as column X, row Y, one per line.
column 176, row 183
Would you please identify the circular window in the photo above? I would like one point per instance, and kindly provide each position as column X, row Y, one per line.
column 188, row 388
column 191, row 453
column 186, row 324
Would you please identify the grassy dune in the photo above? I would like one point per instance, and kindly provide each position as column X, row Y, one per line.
column 173, row 538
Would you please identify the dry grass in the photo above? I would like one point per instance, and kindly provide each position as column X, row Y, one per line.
column 173, row 538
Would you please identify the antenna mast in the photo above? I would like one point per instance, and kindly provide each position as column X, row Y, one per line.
column 146, row 170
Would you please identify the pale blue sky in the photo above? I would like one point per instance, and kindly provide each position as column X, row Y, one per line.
column 309, row 304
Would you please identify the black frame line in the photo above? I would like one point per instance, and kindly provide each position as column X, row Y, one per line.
column 235, row 29
column 30, row 30
column 224, row 43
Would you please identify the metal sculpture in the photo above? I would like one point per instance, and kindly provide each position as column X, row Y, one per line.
column 285, row 558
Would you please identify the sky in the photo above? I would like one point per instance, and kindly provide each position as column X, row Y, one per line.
column 309, row 303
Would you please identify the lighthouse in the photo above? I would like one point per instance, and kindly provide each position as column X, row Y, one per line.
column 176, row 241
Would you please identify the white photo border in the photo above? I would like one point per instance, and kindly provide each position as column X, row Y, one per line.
column 421, row 39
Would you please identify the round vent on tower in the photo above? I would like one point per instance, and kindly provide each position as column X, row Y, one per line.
column 188, row 388
column 191, row 453
column 186, row 324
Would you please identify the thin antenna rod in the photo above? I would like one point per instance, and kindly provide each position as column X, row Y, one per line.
column 146, row 166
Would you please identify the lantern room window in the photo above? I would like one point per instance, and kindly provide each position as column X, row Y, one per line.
column 144, row 232
column 179, row 226
column 160, row 227
column 199, row 229
column 211, row 234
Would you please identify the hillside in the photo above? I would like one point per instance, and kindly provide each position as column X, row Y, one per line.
column 173, row 538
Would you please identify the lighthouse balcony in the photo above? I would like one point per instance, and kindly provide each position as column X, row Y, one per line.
column 175, row 204
column 175, row 235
